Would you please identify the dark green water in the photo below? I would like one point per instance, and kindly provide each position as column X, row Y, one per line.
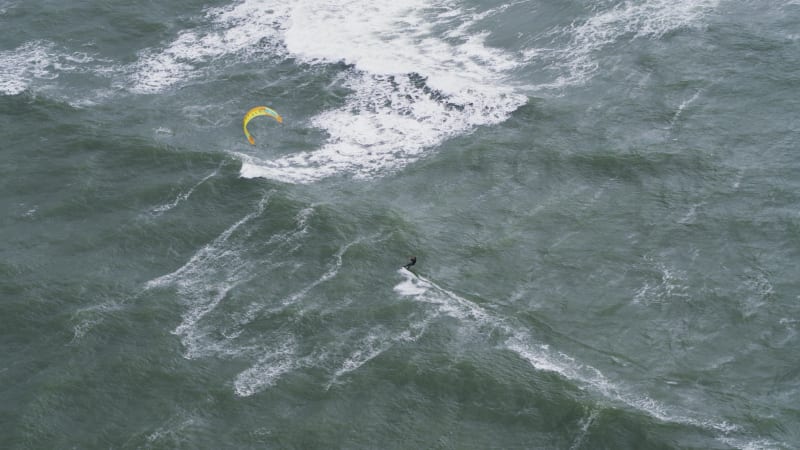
column 602, row 197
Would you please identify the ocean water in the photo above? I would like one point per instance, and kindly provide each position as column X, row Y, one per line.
column 602, row 195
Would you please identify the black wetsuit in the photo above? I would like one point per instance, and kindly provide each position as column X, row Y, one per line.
column 411, row 263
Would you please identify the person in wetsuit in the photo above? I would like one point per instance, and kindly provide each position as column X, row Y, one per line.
column 411, row 262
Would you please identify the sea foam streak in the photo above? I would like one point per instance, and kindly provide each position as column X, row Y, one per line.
column 275, row 362
column 184, row 195
column 207, row 278
column 226, row 263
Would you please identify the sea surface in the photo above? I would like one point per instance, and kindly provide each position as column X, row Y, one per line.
column 603, row 197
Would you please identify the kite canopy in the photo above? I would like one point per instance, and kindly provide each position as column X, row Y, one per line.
column 255, row 112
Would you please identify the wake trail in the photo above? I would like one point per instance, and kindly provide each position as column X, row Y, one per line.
column 542, row 357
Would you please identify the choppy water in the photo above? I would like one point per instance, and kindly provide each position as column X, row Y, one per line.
column 602, row 195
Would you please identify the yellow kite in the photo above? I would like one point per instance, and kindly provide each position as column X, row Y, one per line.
column 255, row 112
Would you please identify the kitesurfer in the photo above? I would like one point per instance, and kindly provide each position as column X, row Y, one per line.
column 411, row 262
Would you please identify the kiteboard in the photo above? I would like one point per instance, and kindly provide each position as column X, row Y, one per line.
column 408, row 269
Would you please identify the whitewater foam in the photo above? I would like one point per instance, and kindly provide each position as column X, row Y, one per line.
column 411, row 89
column 36, row 65
column 29, row 62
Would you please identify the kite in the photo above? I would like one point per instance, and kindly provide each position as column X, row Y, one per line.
column 255, row 112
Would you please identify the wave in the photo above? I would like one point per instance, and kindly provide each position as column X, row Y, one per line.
column 576, row 62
